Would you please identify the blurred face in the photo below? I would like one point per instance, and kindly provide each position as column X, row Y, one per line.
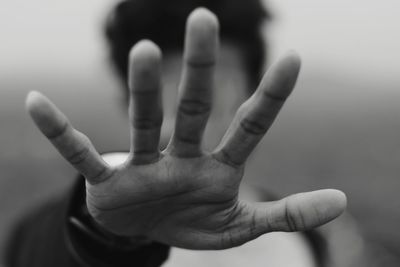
column 229, row 92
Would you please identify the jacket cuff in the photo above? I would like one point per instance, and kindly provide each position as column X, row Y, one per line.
column 91, row 247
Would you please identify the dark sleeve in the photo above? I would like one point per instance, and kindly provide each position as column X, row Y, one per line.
column 47, row 237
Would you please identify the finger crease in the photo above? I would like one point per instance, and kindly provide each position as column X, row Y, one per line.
column 274, row 97
column 56, row 134
column 146, row 123
column 144, row 152
column 289, row 219
column 227, row 159
column 145, row 92
column 80, row 156
column 101, row 176
column 194, row 107
column 191, row 140
column 199, row 65
column 253, row 127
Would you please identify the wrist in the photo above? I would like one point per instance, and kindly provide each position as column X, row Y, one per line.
column 88, row 225
column 91, row 244
column 131, row 241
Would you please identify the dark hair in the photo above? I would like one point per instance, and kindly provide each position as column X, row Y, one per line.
column 163, row 22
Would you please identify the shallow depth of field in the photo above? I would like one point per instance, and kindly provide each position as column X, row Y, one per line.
column 340, row 129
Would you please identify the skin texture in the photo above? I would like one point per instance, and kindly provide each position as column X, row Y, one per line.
column 184, row 196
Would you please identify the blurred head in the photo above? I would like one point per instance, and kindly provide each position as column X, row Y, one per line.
column 238, row 71
column 242, row 47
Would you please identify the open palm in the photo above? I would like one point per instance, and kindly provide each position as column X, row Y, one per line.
column 183, row 196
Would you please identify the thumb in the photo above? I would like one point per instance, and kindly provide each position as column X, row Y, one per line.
column 300, row 212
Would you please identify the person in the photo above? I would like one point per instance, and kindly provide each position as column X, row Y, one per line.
column 131, row 208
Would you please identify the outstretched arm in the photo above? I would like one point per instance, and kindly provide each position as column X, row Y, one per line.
column 184, row 196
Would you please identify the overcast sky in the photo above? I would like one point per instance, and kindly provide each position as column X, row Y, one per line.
column 360, row 36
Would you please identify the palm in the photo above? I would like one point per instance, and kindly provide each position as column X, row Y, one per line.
column 184, row 196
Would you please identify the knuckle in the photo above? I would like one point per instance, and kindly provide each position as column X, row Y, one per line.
column 81, row 151
column 253, row 225
column 273, row 97
column 142, row 123
column 200, row 64
column 228, row 240
column 150, row 92
column 225, row 157
column 102, row 175
column 188, row 139
column 79, row 156
column 252, row 126
column 58, row 132
column 293, row 217
column 194, row 107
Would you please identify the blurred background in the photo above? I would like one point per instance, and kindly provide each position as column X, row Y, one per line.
column 340, row 129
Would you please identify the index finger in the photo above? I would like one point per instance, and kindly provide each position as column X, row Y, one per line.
column 257, row 114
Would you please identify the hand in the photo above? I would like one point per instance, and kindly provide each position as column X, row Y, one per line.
column 183, row 196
